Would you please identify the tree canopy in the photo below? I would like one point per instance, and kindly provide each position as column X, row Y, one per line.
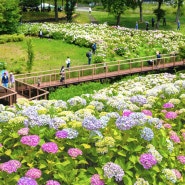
column 9, row 16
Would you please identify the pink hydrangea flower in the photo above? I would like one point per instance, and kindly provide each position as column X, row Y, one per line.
column 147, row 112
column 181, row 158
column 168, row 105
column 167, row 125
column 183, row 135
column 50, row 147
column 177, row 173
column 10, row 166
column 171, row 115
column 23, row 131
column 174, row 137
column 74, row 152
column 126, row 112
column 31, row 140
column 52, row 182
column 1, row 145
column 33, row 173
column 95, row 180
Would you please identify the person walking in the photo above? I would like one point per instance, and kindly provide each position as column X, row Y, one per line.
column 94, row 48
column 153, row 22
column 147, row 26
column 68, row 62
column 158, row 55
column 136, row 25
column 178, row 24
column 40, row 34
column 164, row 21
column 5, row 80
column 62, row 74
column 89, row 56
column 90, row 10
column 12, row 80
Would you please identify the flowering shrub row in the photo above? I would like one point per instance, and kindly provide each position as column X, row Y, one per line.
column 125, row 42
column 129, row 133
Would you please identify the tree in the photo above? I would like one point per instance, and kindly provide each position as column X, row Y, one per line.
column 29, row 3
column 69, row 9
column 56, row 10
column 9, row 16
column 30, row 55
column 178, row 4
column 160, row 13
column 116, row 7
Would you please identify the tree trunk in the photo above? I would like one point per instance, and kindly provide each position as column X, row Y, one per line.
column 178, row 12
column 118, row 19
column 56, row 11
column 141, row 11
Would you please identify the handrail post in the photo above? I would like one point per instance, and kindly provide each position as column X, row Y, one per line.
column 130, row 65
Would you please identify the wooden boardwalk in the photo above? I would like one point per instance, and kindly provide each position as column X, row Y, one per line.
column 107, row 74
column 26, row 85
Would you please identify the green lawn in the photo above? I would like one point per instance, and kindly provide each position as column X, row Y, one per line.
column 49, row 54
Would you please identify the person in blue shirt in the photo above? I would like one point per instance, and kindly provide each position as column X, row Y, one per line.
column 94, row 48
column 5, row 80
column 178, row 25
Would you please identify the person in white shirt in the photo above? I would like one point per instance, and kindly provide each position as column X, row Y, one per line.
column 68, row 62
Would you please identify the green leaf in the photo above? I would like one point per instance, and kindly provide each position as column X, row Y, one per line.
column 127, row 180
column 129, row 173
column 131, row 139
column 125, row 147
column 138, row 148
column 8, row 152
column 82, row 162
column 122, row 153
column 41, row 166
column 133, row 159
column 128, row 166
column 65, row 163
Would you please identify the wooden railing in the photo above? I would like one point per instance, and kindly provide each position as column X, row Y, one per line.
column 30, row 92
column 7, row 96
column 97, row 65
column 102, row 70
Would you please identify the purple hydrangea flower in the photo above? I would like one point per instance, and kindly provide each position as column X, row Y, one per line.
column 27, row 181
column 167, row 125
column 61, row 134
column 33, row 173
column 91, row 123
column 50, row 147
column 1, row 145
column 95, row 180
column 156, row 122
column 168, row 105
column 10, row 166
column 52, row 182
column 171, row 115
column 113, row 170
column 71, row 133
column 138, row 99
column 147, row 160
column 181, row 158
column 147, row 134
column 74, row 152
column 125, row 123
column 23, row 131
column 31, row 140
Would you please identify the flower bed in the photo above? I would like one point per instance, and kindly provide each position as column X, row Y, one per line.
column 129, row 133
column 111, row 41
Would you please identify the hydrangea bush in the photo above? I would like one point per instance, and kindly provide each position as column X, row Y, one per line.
column 111, row 41
column 129, row 133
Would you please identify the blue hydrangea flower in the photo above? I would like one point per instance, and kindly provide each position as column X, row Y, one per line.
column 147, row 134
